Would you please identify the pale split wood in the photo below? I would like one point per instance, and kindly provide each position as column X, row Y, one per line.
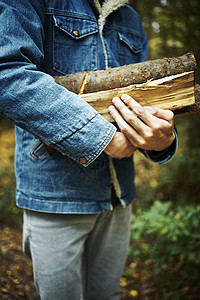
column 190, row 111
column 172, row 92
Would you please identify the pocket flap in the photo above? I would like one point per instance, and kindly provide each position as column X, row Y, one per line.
column 133, row 41
column 75, row 27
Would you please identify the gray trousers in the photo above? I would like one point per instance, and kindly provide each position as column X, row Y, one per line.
column 77, row 256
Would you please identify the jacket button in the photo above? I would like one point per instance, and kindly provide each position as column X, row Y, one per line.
column 76, row 33
column 83, row 160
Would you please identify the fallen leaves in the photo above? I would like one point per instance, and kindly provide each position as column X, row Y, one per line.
column 134, row 293
column 16, row 281
column 7, row 141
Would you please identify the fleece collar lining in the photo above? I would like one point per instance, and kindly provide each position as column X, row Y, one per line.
column 106, row 9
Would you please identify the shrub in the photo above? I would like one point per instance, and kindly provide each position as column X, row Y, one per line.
column 170, row 240
column 10, row 214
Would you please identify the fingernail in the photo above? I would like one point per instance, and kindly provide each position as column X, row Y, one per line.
column 111, row 108
column 124, row 97
column 115, row 100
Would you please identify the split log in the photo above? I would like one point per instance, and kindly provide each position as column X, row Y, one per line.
column 126, row 79
column 188, row 111
column 173, row 92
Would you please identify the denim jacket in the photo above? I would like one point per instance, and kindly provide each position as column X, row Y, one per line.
column 41, row 39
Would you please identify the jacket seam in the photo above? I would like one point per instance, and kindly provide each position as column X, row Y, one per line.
column 66, row 138
column 69, row 14
column 55, row 199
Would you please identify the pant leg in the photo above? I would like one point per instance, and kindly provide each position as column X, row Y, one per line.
column 105, row 254
column 55, row 244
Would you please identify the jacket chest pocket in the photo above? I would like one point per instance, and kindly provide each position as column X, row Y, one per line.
column 74, row 44
column 130, row 48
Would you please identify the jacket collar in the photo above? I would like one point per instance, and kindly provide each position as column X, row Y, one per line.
column 107, row 8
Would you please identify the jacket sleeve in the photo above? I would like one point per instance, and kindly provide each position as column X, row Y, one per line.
column 32, row 100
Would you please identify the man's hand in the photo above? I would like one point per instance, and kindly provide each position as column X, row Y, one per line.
column 119, row 147
column 148, row 128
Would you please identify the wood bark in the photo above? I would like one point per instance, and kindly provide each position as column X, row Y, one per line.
column 123, row 76
column 172, row 92
column 132, row 75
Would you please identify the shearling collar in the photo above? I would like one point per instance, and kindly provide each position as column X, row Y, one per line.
column 107, row 8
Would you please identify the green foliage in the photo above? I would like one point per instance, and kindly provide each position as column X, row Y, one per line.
column 178, row 180
column 165, row 234
column 169, row 239
column 10, row 214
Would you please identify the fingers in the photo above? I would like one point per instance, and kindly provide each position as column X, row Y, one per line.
column 164, row 114
column 149, row 114
column 118, row 118
column 124, row 127
column 129, row 116
column 135, row 106
column 142, row 112
column 147, row 111
column 149, row 128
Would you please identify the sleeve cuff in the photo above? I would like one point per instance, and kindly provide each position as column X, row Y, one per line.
column 85, row 145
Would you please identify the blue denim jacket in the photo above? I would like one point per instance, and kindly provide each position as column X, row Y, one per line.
column 40, row 39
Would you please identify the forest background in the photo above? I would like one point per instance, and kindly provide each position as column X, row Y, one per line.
column 164, row 254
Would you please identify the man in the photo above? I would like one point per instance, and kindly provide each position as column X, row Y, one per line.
column 77, row 200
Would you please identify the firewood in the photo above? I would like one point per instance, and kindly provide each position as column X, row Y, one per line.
column 143, row 82
column 102, row 80
column 189, row 111
column 167, row 83
column 172, row 92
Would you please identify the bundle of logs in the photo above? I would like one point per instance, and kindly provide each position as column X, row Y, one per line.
column 167, row 83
